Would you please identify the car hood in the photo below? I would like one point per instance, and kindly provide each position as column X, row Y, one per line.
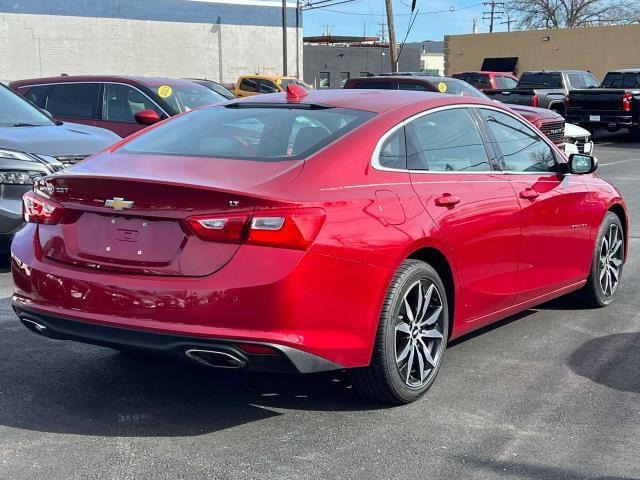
column 571, row 130
column 57, row 140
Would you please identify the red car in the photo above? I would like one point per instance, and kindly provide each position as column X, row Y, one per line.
column 488, row 80
column 122, row 104
column 313, row 231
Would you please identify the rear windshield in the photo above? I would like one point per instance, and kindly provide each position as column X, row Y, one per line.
column 265, row 133
column 542, row 79
column 621, row 80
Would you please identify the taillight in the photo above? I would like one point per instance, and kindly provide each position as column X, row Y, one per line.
column 295, row 228
column 567, row 102
column 534, row 101
column 626, row 102
column 37, row 209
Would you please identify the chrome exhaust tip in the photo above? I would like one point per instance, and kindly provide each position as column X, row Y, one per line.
column 34, row 326
column 216, row 358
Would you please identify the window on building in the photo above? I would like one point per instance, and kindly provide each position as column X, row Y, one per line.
column 74, row 100
column 447, row 141
column 344, row 76
column 325, row 80
column 121, row 103
column 523, row 150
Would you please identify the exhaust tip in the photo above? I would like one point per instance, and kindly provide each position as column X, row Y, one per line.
column 216, row 358
column 34, row 326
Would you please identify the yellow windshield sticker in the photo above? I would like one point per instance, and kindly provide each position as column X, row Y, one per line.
column 442, row 87
column 279, row 81
column 165, row 91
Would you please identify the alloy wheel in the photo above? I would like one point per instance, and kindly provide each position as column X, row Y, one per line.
column 611, row 261
column 419, row 342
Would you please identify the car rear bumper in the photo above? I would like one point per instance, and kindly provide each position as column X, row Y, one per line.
column 603, row 120
column 324, row 306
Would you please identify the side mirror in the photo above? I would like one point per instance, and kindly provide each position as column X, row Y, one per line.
column 580, row 164
column 147, row 117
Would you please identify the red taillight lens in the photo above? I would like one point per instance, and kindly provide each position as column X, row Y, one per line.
column 295, row 228
column 37, row 209
column 534, row 101
column 626, row 102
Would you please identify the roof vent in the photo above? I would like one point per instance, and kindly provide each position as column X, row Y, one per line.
column 295, row 92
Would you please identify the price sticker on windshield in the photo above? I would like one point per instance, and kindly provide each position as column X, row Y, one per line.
column 165, row 91
column 442, row 87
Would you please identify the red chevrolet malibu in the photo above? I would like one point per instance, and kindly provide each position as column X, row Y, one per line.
column 311, row 231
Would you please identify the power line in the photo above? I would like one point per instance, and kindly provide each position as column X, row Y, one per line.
column 451, row 9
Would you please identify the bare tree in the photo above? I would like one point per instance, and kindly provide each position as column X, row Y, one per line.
column 573, row 13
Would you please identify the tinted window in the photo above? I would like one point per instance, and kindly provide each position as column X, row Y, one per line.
column 542, row 79
column 73, row 100
column 446, row 141
column 325, row 80
column 38, row 95
column 376, row 85
column 249, row 85
column 251, row 133
column 523, row 150
column 267, row 86
column 121, row 103
column 621, row 80
column 475, row 79
column 15, row 110
column 393, row 151
column 415, row 86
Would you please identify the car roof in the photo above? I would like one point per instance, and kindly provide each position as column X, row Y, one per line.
column 129, row 79
column 484, row 72
column 269, row 77
column 377, row 101
column 625, row 70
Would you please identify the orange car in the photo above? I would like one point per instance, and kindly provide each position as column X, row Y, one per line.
column 249, row 85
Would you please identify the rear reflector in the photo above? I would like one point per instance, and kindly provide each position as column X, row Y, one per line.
column 37, row 209
column 256, row 349
column 295, row 228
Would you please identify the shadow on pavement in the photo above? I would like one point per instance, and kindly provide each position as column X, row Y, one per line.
column 533, row 472
column 5, row 266
column 613, row 361
column 62, row 387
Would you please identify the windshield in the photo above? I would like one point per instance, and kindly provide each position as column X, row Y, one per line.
column 185, row 97
column 16, row 111
column 246, row 132
column 451, row 86
column 543, row 79
column 621, row 80
column 286, row 82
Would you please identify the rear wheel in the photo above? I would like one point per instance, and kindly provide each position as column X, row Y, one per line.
column 411, row 337
column 607, row 263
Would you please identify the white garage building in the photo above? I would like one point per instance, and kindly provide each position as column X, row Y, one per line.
column 215, row 39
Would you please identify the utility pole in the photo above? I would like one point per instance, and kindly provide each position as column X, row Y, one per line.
column 392, row 37
column 492, row 14
column 284, row 38
column 508, row 22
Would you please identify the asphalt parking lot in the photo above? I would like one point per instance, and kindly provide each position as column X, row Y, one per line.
column 553, row 393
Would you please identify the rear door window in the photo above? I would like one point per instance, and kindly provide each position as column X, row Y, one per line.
column 249, row 85
column 249, row 133
column 74, row 100
column 446, row 141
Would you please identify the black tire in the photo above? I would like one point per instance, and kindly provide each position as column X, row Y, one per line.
column 382, row 379
column 593, row 293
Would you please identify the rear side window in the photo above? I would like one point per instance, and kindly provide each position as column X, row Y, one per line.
column 542, row 79
column 249, row 85
column 74, row 100
column 393, row 152
column 267, row 86
column 446, row 141
column 249, row 133
column 523, row 150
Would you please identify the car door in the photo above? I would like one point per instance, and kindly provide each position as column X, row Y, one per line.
column 453, row 172
column 120, row 103
column 74, row 102
column 556, row 246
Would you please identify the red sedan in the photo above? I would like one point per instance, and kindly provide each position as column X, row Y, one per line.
column 313, row 231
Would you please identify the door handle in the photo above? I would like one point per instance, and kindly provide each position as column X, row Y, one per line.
column 529, row 194
column 447, row 200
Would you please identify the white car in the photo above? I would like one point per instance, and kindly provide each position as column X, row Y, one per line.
column 577, row 140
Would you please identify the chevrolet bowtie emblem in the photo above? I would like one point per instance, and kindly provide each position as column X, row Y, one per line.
column 118, row 203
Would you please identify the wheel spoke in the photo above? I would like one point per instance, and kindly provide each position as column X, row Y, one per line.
column 404, row 328
column 420, row 365
column 410, row 363
column 433, row 318
column 427, row 301
column 603, row 272
column 616, row 262
column 432, row 334
column 615, row 273
column 405, row 351
column 427, row 354
column 407, row 307
column 616, row 247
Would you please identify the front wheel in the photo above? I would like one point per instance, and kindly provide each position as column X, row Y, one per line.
column 411, row 337
column 607, row 263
